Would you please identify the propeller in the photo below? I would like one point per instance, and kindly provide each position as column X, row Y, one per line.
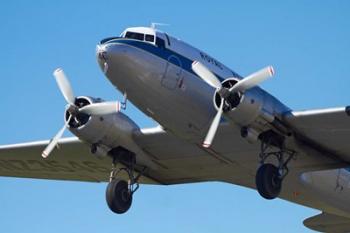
column 204, row 73
column 94, row 109
column 214, row 126
column 54, row 141
column 64, row 86
column 103, row 108
column 253, row 80
column 241, row 86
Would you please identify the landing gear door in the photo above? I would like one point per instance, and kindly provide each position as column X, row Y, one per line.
column 173, row 72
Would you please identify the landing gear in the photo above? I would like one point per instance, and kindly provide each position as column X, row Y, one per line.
column 118, row 196
column 268, row 181
column 269, row 177
column 119, row 192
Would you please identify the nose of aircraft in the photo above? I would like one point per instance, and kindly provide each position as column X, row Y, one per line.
column 109, row 54
column 101, row 53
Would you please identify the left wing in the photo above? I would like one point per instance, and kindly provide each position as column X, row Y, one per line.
column 326, row 129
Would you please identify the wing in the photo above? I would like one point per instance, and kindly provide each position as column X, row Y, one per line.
column 325, row 222
column 231, row 159
column 72, row 161
column 179, row 161
column 185, row 161
column 328, row 129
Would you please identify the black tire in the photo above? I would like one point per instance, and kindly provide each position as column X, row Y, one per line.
column 268, row 181
column 118, row 197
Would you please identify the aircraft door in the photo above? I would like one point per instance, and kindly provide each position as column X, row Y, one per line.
column 172, row 73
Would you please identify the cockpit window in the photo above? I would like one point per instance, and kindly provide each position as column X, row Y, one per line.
column 149, row 38
column 139, row 36
column 134, row 35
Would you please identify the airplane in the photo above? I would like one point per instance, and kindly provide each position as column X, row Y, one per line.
column 214, row 125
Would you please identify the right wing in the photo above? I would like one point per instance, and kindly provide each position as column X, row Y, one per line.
column 71, row 161
column 178, row 161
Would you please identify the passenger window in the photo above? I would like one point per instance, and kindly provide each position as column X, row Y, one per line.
column 149, row 38
column 160, row 43
column 134, row 35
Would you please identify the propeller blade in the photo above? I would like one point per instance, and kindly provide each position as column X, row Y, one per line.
column 49, row 148
column 64, row 86
column 205, row 74
column 52, row 144
column 253, row 79
column 103, row 108
column 213, row 127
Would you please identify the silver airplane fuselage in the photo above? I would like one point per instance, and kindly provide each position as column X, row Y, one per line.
column 169, row 93
column 160, row 82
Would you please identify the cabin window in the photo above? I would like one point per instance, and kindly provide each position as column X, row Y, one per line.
column 160, row 43
column 149, row 38
column 134, row 35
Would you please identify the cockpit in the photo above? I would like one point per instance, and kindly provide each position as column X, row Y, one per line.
column 145, row 34
column 140, row 33
column 139, row 36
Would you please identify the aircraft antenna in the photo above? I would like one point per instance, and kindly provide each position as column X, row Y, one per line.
column 154, row 25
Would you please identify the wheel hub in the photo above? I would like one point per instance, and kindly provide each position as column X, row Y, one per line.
column 125, row 195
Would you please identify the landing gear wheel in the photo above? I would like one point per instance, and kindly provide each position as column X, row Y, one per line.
column 268, row 181
column 118, row 196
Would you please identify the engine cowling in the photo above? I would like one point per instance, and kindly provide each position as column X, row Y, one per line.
column 106, row 132
column 110, row 130
column 248, row 109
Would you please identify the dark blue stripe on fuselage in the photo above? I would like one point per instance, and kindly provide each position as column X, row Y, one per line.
column 163, row 53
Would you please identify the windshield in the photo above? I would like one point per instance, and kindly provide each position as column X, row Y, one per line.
column 139, row 36
column 149, row 38
column 135, row 35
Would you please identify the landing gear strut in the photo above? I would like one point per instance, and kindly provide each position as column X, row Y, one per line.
column 119, row 192
column 269, row 177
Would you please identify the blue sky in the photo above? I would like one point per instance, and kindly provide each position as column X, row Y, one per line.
column 306, row 41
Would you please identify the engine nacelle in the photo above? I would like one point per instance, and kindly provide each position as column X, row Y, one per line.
column 109, row 131
column 248, row 109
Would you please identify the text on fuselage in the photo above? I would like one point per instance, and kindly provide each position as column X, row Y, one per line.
column 211, row 60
